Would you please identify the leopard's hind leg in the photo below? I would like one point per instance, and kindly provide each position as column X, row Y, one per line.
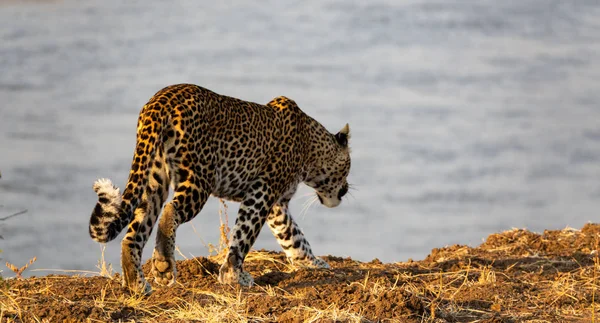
column 140, row 228
column 192, row 189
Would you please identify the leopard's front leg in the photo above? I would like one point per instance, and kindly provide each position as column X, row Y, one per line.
column 251, row 217
column 291, row 239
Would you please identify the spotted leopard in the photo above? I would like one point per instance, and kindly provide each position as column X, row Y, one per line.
column 202, row 144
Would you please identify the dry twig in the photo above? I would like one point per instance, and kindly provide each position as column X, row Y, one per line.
column 19, row 271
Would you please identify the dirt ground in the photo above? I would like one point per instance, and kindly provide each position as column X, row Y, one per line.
column 514, row 276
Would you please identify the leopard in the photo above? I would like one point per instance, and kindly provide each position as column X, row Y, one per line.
column 204, row 144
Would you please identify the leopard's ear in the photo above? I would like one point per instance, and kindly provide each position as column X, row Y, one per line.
column 343, row 135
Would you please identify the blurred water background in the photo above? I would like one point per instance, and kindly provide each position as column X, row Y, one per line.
column 468, row 117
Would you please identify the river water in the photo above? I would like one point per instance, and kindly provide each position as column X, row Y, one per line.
column 468, row 117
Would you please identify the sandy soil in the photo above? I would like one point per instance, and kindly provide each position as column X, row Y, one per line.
column 514, row 276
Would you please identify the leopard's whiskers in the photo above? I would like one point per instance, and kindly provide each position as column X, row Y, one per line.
column 353, row 197
column 307, row 206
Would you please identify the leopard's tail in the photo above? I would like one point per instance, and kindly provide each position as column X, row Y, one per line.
column 107, row 212
column 114, row 211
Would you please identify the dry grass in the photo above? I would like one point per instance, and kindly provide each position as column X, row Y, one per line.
column 516, row 276
column 106, row 269
column 19, row 270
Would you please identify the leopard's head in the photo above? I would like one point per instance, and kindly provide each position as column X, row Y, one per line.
column 329, row 176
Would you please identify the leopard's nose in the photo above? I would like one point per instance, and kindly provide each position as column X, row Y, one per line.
column 343, row 191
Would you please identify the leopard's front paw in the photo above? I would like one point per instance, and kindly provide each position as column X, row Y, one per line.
column 163, row 270
column 232, row 275
column 314, row 262
column 320, row 263
column 245, row 279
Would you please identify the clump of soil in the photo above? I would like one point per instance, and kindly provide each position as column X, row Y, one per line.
column 514, row 276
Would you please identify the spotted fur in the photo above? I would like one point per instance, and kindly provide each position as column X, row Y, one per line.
column 203, row 143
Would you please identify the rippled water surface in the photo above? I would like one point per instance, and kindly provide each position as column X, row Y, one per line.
column 467, row 117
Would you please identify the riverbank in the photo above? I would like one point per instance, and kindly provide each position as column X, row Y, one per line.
column 514, row 276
